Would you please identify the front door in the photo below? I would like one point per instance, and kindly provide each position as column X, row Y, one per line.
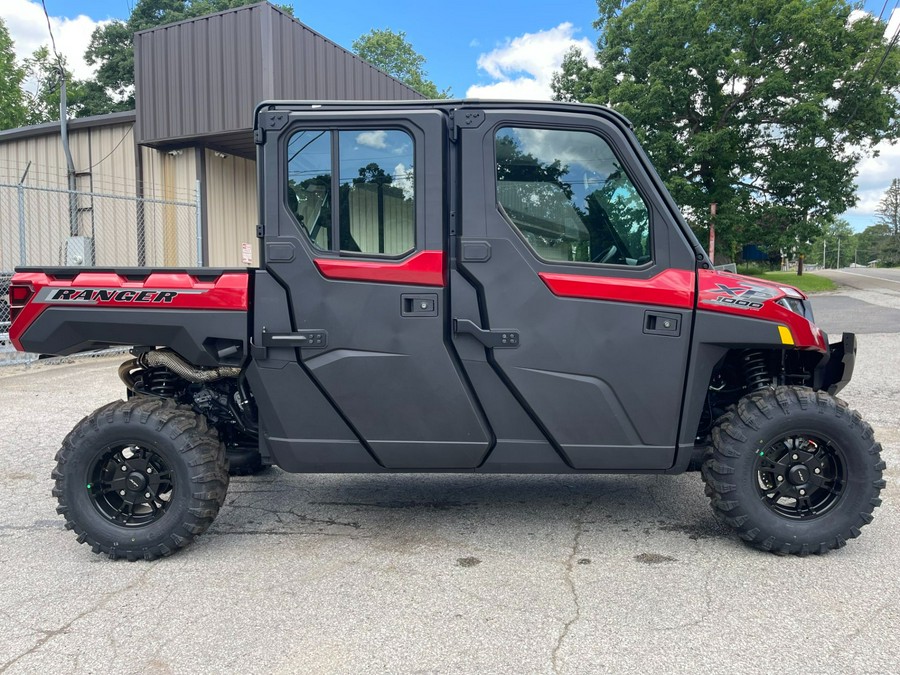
column 583, row 279
column 361, row 251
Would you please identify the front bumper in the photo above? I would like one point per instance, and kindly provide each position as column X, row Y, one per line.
column 836, row 369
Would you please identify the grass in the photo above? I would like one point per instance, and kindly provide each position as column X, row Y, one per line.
column 808, row 283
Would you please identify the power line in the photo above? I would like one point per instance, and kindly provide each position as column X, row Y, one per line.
column 52, row 39
column 116, row 147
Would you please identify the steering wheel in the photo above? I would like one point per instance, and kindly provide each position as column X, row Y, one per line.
column 606, row 255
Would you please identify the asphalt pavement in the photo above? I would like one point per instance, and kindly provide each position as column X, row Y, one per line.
column 445, row 573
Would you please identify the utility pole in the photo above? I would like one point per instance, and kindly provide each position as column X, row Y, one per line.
column 70, row 165
column 824, row 244
column 838, row 266
column 712, row 233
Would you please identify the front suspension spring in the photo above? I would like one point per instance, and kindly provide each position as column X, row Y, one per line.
column 756, row 372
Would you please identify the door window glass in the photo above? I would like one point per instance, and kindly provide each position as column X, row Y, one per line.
column 375, row 203
column 309, row 184
column 377, row 209
column 570, row 198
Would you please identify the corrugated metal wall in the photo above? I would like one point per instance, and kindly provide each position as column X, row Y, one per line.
column 108, row 152
column 205, row 76
column 198, row 77
column 231, row 208
column 170, row 176
column 309, row 66
column 105, row 158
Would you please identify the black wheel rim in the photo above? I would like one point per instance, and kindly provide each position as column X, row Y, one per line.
column 801, row 476
column 131, row 485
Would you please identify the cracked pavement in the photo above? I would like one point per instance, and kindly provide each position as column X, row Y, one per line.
column 440, row 573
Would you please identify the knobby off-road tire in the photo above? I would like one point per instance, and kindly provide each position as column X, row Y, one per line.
column 794, row 471
column 140, row 479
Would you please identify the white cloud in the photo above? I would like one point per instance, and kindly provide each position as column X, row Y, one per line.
column 28, row 28
column 876, row 173
column 875, row 176
column 523, row 66
column 893, row 25
column 373, row 139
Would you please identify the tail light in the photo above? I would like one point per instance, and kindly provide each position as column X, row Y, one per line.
column 19, row 295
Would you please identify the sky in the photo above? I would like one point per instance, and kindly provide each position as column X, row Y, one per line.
column 492, row 49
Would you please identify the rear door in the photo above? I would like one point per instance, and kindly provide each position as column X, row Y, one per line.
column 359, row 204
column 585, row 284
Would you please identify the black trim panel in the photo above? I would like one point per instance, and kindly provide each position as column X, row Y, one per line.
column 194, row 334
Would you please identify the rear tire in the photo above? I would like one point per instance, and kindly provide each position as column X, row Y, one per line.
column 140, row 479
column 794, row 471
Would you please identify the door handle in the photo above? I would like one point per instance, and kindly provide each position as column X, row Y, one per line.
column 421, row 304
column 662, row 323
column 492, row 339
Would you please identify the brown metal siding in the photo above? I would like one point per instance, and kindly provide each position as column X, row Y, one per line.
column 198, row 77
column 205, row 76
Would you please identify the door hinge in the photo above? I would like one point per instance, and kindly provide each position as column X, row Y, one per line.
column 464, row 119
column 492, row 339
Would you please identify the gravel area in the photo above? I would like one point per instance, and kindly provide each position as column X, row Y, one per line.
column 440, row 573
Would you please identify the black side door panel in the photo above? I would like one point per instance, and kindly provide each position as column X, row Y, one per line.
column 607, row 394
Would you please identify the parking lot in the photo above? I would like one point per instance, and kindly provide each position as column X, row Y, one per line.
column 446, row 573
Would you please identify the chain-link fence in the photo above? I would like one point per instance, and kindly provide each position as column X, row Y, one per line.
column 53, row 227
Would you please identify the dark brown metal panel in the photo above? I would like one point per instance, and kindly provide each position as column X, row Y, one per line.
column 203, row 77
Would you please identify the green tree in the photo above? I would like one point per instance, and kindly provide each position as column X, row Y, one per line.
column 392, row 53
column 889, row 208
column 112, row 49
column 12, row 104
column 878, row 243
column 834, row 230
column 764, row 107
column 42, row 73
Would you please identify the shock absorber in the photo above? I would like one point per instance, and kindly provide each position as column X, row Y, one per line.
column 161, row 382
column 756, row 372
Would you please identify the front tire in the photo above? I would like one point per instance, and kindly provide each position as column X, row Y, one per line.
column 794, row 471
column 140, row 479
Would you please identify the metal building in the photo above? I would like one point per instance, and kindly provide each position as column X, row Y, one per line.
column 172, row 183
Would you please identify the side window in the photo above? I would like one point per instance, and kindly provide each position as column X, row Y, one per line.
column 309, row 184
column 377, row 192
column 375, row 203
column 570, row 197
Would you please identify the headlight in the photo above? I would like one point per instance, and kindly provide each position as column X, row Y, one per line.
column 797, row 306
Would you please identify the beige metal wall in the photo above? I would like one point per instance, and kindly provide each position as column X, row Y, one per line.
column 170, row 176
column 109, row 154
column 104, row 156
column 231, row 204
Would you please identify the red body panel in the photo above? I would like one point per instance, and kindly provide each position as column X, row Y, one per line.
column 670, row 288
column 425, row 268
column 172, row 290
column 740, row 295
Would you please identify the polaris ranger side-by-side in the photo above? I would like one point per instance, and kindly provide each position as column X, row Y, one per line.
column 457, row 286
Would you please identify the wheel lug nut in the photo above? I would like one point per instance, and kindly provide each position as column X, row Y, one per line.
column 780, row 478
column 124, row 468
column 147, row 495
column 149, row 469
column 122, row 492
column 795, row 456
column 817, row 470
column 802, row 492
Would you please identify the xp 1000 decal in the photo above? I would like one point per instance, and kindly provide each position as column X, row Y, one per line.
column 741, row 294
